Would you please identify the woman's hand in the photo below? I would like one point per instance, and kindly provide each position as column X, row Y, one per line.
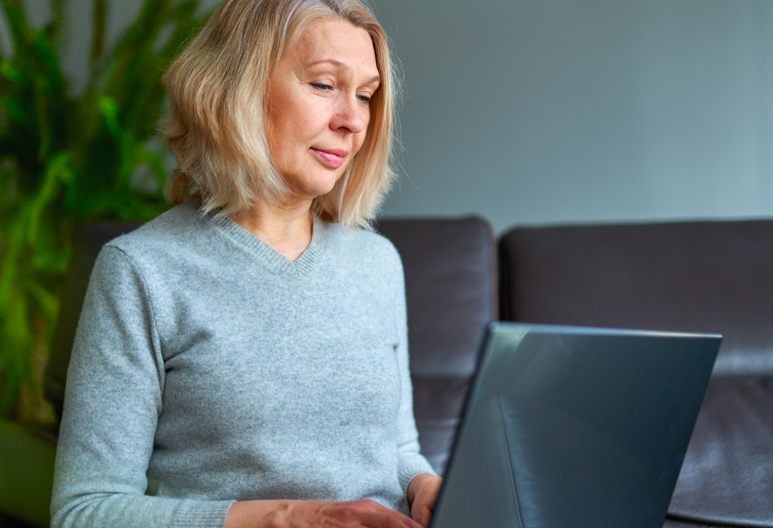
column 422, row 495
column 315, row 514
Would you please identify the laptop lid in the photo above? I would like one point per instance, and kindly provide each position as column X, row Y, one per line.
column 574, row 427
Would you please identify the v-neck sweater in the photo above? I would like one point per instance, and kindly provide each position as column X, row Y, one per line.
column 207, row 369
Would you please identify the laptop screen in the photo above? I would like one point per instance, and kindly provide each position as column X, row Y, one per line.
column 574, row 427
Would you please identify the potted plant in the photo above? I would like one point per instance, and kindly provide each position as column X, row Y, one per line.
column 68, row 159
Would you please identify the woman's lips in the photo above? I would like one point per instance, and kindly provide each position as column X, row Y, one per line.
column 334, row 158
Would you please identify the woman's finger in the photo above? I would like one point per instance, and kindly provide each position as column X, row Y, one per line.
column 362, row 514
column 424, row 491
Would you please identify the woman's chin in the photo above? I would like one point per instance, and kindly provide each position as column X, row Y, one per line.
column 318, row 188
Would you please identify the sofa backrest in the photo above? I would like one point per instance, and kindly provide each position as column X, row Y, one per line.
column 451, row 288
column 712, row 277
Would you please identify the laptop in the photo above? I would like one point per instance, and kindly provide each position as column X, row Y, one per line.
column 568, row 427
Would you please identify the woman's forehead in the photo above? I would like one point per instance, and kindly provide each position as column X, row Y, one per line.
column 337, row 44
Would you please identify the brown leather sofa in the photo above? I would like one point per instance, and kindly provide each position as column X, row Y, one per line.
column 700, row 276
column 712, row 277
column 690, row 276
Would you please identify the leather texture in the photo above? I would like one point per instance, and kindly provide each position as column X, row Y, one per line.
column 690, row 276
column 674, row 523
column 728, row 475
column 451, row 289
column 706, row 277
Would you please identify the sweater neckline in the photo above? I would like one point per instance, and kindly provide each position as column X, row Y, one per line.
column 267, row 255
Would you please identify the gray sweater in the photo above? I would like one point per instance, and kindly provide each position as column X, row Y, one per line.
column 207, row 369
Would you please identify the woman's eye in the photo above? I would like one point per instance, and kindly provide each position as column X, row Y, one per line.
column 322, row 86
column 364, row 98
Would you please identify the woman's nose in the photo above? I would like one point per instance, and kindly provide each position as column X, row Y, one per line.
column 351, row 114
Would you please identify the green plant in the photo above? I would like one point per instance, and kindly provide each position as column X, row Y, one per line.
column 67, row 160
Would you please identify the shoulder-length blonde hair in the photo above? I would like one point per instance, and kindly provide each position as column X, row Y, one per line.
column 216, row 125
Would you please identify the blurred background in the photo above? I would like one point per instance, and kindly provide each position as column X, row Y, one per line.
column 552, row 111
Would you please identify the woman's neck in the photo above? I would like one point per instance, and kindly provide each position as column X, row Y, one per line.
column 287, row 230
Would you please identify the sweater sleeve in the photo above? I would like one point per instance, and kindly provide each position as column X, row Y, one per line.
column 113, row 399
column 410, row 461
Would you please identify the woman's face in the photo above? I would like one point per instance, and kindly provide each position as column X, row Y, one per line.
column 319, row 106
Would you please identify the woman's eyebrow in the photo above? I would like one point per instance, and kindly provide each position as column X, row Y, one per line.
column 342, row 66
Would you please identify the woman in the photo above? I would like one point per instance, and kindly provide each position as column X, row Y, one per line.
column 241, row 360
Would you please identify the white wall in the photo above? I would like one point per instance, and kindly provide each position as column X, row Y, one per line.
column 545, row 111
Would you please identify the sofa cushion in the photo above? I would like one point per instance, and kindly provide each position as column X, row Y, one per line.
column 727, row 477
column 451, row 288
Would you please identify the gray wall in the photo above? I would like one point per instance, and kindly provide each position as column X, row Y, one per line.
column 545, row 111
column 548, row 111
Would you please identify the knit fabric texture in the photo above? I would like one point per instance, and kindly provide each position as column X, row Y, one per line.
column 209, row 369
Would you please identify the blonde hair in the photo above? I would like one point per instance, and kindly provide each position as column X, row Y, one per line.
column 216, row 125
